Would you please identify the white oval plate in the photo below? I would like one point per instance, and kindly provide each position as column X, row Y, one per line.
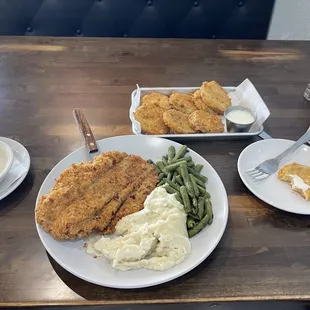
column 72, row 256
column 272, row 190
column 22, row 155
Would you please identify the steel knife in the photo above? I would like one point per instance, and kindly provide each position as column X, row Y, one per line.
column 86, row 133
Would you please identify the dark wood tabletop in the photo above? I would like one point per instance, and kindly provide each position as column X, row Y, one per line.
column 264, row 253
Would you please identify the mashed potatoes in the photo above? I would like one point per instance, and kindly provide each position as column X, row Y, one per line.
column 154, row 238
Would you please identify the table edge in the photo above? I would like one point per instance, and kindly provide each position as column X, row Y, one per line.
column 158, row 301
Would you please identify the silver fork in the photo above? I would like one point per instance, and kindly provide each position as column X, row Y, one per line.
column 270, row 166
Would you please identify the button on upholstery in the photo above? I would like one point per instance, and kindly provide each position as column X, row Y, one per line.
column 125, row 35
column 214, row 36
column 29, row 29
column 149, row 3
column 78, row 32
column 196, row 3
column 241, row 4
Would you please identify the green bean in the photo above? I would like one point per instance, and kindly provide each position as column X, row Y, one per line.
column 190, row 222
column 195, row 203
column 160, row 176
column 188, row 158
column 191, row 164
column 194, row 211
column 185, row 198
column 174, row 166
column 180, row 153
column 201, row 207
column 170, row 189
column 173, row 185
column 150, row 161
column 171, row 153
column 178, row 160
column 199, row 182
column 174, row 176
column 198, row 175
column 179, row 199
column 178, row 178
column 164, row 160
column 184, row 173
column 207, row 195
column 198, row 168
column 194, row 216
column 199, row 227
column 161, row 166
column 162, row 182
column 202, row 190
column 208, row 211
column 169, row 176
column 195, row 187
column 190, row 189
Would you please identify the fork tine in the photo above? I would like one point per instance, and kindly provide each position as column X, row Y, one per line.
column 257, row 174
column 254, row 176
column 262, row 177
column 251, row 170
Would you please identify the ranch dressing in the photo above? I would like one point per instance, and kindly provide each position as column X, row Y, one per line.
column 240, row 117
column 154, row 238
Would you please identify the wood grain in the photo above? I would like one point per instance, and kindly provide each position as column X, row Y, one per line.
column 264, row 254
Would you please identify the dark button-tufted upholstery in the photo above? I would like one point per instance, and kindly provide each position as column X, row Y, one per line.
column 229, row 19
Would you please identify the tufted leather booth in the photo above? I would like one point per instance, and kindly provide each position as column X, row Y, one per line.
column 228, row 19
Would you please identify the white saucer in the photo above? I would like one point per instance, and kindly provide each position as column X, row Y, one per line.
column 22, row 155
column 273, row 191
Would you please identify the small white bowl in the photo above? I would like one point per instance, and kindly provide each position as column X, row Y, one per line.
column 6, row 160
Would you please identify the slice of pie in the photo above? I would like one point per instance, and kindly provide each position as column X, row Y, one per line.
column 298, row 176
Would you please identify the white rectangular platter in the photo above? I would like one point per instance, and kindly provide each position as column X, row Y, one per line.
column 245, row 94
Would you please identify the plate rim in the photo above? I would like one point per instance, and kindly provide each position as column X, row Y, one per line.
column 251, row 189
column 18, row 182
column 160, row 281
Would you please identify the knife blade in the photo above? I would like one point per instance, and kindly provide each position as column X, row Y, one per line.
column 86, row 133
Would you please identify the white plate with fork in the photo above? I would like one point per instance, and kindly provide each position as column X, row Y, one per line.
column 272, row 190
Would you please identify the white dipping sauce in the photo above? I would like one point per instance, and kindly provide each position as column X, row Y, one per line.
column 3, row 158
column 240, row 117
column 154, row 238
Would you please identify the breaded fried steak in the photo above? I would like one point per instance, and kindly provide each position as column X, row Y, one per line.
column 88, row 196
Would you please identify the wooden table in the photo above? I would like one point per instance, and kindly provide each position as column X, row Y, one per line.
column 264, row 254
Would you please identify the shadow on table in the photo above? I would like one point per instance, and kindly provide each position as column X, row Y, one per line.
column 19, row 194
column 279, row 218
column 95, row 292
